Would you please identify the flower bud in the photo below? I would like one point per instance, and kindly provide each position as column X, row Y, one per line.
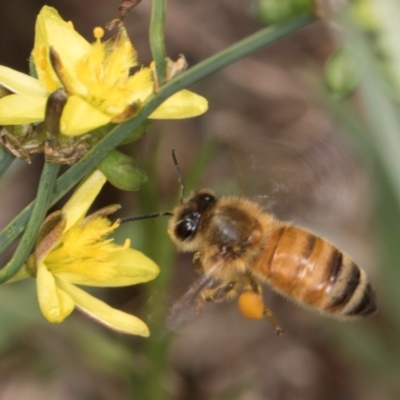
column 140, row 131
column 275, row 11
column 122, row 171
column 342, row 73
column 54, row 108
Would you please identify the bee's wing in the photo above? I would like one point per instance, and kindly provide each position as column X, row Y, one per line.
column 186, row 308
column 304, row 167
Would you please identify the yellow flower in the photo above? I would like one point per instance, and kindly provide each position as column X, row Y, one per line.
column 74, row 250
column 95, row 77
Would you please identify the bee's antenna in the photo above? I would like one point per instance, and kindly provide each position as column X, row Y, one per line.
column 180, row 178
column 138, row 217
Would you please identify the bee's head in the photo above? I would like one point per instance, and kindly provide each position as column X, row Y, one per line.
column 188, row 217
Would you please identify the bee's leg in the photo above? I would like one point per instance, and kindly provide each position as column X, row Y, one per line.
column 225, row 292
column 216, row 295
column 271, row 318
column 253, row 286
column 197, row 263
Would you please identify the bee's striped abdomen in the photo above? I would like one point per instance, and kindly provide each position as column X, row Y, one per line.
column 314, row 272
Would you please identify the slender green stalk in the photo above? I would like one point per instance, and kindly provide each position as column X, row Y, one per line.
column 157, row 346
column 157, row 45
column 117, row 135
column 5, row 160
column 45, row 191
column 380, row 95
column 162, row 253
column 380, row 110
column 384, row 120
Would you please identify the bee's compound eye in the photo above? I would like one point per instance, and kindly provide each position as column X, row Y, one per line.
column 185, row 229
column 207, row 198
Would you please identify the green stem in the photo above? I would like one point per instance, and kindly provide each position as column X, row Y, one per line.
column 157, row 346
column 384, row 120
column 45, row 190
column 5, row 160
column 241, row 49
column 117, row 135
column 157, row 45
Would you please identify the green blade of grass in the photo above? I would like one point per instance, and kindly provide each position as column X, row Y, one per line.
column 157, row 45
column 6, row 160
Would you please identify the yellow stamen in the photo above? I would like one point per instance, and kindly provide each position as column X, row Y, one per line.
column 98, row 32
column 115, row 225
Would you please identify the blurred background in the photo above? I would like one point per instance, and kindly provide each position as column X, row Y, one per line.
column 272, row 133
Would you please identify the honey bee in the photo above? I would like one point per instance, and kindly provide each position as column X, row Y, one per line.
column 241, row 246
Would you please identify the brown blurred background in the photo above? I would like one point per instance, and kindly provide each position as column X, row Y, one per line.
column 267, row 135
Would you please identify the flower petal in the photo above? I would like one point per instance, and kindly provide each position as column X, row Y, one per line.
column 132, row 267
column 55, row 304
column 184, row 104
column 120, row 57
column 17, row 109
column 104, row 314
column 78, row 205
column 52, row 31
column 140, row 85
column 21, row 83
column 80, row 117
